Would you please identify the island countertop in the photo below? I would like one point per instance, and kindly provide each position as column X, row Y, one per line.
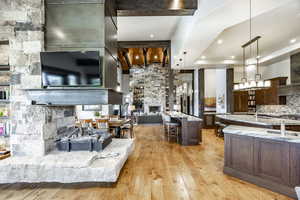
column 262, row 157
column 260, row 120
column 291, row 136
column 182, row 115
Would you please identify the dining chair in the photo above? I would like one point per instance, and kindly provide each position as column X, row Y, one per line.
column 102, row 123
column 128, row 127
column 114, row 117
column 85, row 123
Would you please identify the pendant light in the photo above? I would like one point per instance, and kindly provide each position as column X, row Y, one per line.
column 257, row 83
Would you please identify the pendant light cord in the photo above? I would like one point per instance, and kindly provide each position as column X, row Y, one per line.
column 250, row 25
column 257, row 58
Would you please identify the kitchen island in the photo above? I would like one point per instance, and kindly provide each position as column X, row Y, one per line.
column 259, row 121
column 190, row 128
column 261, row 156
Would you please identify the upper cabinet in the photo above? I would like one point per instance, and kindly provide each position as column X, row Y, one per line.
column 240, row 101
column 270, row 95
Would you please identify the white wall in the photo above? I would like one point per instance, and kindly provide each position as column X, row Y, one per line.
column 82, row 114
column 221, row 84
column 279, row 69
column 125, row 83
column 210, row 82
column 196, row 93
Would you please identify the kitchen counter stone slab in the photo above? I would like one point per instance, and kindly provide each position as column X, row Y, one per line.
column 260, row 120
column 261, row 133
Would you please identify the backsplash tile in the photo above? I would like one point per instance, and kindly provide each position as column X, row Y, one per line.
column 292, row 106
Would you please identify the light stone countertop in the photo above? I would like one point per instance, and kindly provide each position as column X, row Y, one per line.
column 298, row 192
column 260, row 120
column 262, row 133
column 182, row 115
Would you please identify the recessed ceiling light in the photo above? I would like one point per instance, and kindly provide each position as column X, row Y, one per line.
column 155, row 57
column 293, row 40
column 151, row 35
column 60, row 34
column 228, row 61
column 220, row 41
column 232, row 57
column 137, row 57
column 199, row 62
column 203, row 57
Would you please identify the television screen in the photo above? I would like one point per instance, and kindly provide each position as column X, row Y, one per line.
column 71, row 68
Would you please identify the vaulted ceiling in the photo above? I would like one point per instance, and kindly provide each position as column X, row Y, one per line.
column 195, row 34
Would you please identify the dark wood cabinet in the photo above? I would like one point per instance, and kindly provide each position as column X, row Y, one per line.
column 268, row 163
column 271, row 160
column 209, row 120
column 239, row 153
column 270, row 95
column 240, row 101
column 295, row 164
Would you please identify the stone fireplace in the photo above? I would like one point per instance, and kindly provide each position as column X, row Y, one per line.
column 34, row 128
column 153, row 80
column 22, row 25
column 41, row 127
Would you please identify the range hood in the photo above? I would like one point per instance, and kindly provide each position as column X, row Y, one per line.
column 75, row 96
column 294, row 87
column 289, row 90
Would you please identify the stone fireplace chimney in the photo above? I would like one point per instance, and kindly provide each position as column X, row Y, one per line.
column 35, row 127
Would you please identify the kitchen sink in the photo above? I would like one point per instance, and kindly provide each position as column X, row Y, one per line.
column 278, row 132
column 264, row 117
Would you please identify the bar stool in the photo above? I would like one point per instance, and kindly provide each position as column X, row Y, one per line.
column 164, row 116
column 173, row 128
column 219, row 129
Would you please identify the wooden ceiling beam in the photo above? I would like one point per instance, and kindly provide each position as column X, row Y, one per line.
column 165, row 57
column 125, row 55
column 144, row 44
column 156, row 8
column 145, row 50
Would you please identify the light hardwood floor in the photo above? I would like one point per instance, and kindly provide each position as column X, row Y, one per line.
column 157, row 170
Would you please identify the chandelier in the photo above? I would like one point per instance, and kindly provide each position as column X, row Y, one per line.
column 257, row 83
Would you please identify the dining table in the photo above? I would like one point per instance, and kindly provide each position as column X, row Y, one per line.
column 115, row 124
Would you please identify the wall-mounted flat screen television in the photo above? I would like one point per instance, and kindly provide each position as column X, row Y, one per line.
column 74, row 69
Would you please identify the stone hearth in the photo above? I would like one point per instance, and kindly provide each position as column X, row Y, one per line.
column 68, row 167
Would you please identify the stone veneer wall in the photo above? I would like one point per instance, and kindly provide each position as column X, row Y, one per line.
column 154, row 78
column 33, row 127
column 292, row 106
